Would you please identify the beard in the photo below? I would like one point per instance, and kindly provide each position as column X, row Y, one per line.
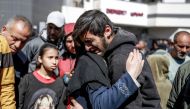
column 54, row 39
column 104, row 45
column 181, row 55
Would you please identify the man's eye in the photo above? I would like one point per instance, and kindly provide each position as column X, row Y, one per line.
column 87, row 41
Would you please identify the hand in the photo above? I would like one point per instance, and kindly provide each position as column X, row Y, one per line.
column 134, row 64
column 75, row 104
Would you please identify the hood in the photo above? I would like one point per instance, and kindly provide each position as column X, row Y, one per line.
column 121, row 37
column 43, row 35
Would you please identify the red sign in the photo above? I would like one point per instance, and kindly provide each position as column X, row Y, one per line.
column 136, row 14
column 116, row 11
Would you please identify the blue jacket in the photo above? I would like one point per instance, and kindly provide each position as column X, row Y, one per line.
column 91, row 86
column 113, row 97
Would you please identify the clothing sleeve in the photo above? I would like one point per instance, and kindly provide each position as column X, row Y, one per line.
column 22, row 91
column 62, row 101
column 7, row 77
column 30, row 51
column 7, row 89
column 27, row 50
column 113, row 97
column 147, row 97
column 177, row 87
column 150, row 96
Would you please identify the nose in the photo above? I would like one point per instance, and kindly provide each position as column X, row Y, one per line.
column 184, row 49
column 52, row 31
column 73, row 44
column 55, row 61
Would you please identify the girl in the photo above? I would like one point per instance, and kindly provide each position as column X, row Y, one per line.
column 43, row 83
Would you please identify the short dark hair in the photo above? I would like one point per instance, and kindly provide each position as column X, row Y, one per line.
column 42, row 51
column 93, row 21
column 44, row 48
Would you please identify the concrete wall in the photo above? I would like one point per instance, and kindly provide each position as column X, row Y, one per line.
column 10, row 8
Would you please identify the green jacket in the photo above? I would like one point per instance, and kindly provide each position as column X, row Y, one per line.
column 177, row 97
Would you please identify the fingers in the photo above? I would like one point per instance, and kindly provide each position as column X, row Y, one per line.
column 134, row 64
column 75, row 104
column 73, row 101
column 139, row 68
column 130, row 57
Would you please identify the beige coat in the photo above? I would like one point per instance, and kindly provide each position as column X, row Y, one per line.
column 159, row 65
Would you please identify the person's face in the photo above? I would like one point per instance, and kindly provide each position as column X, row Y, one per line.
column 49, row 60
column 70, row 45
column 16, row 36
column 141, row 45
column 182, row 46
column 95, row 44
column 54, row 32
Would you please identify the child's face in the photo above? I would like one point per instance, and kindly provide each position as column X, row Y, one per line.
column 49, row 60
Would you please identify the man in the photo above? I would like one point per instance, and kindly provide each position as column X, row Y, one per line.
column 179, row 54
column 143, row 46
column 178, row 98
column 53, row 34
column 96, row 31
column 13, row 37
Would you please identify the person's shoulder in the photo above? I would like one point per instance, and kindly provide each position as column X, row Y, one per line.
column 3, row 39
column 36, row 42
column 36, row 39
column 185, row 65
column 168, row 55
column 4, row 45
column 92, row 57
column 28, row 75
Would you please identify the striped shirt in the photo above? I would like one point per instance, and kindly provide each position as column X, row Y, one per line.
column 7, row 76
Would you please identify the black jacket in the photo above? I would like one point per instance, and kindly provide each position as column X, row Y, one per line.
column 116, row 54
column 91, row 71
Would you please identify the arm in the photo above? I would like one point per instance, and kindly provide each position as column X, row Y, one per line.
column 22, row 91
column 150, row 96
column 177, row 87
column 120, row 91
column 147, row 96
column 62, row 100
column 7, row 89
column 30, row 51
column 7, row 77
column 112, row 98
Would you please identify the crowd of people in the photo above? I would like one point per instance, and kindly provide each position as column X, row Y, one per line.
column 90, row 64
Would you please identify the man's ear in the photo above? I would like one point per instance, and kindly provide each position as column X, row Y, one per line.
column 4, row 28
column 107, row 32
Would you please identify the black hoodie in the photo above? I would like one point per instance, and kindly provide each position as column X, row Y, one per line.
column 116, row 54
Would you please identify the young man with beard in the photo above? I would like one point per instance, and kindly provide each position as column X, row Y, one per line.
column 98, row 34
column 179, row 54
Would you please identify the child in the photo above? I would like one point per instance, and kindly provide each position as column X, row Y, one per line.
column 42, row 83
